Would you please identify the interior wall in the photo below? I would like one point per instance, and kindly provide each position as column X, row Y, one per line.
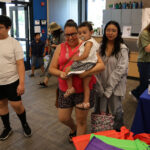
column 40, row 13
column 62, row 10
column 146, row 3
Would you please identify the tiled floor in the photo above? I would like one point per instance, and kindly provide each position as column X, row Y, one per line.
column 48, row 133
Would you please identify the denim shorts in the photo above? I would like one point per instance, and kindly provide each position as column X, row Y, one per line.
column 9, row 91
column 74, row 99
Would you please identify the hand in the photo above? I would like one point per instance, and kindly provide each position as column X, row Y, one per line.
column 75, row 58
column 63, row 75
column 20, row 89
column 54, row 45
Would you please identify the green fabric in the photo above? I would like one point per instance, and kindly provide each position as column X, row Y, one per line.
column 123, row 144
column 144, row 40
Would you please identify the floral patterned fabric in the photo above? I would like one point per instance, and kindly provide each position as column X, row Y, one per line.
column 101, row 122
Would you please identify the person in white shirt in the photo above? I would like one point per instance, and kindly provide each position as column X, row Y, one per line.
column 12, row 76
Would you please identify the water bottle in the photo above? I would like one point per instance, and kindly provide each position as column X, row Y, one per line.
column 149, row 86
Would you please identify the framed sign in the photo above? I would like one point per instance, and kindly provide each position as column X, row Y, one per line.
column 126, row 30
column 43, row 22
column 36, row 22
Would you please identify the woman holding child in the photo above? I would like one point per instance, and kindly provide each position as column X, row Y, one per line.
column 63, row 58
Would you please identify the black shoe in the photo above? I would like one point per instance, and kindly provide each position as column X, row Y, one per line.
column 71, row 135
column 5, row 134
column 43, row 84
column 27, row 130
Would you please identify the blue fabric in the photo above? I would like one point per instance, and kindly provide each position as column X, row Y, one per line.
column 144, row 71
column 141, row 122
column 97, row 144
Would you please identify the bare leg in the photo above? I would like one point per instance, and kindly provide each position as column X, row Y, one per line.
column 17, row 106
column 86, row 82
column 64, row 116
column 46, row 80
column 81, row 119
column 70, row 89
column 86, row 88
column 42, row 68
column 33, row 68
column 3, row 107
column 69, row 82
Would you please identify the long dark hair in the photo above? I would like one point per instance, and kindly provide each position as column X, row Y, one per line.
column 117, row 42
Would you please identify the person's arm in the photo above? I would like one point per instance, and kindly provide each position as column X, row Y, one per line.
column 144, row 39
column 54, row 66
column 118, row 72
column 21, row 73
column 147, row 48
column 86, row 52
column 99, row 67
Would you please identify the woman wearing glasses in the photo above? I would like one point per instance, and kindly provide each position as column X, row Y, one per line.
column 111, row 85
column 59, row 62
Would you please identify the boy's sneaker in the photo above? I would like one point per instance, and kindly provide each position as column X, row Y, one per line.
column 27, row 130
column 5, row 134
column 133, row 96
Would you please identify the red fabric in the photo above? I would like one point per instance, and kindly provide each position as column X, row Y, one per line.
column 145, row 137
column 82, row 141
column 77, row 82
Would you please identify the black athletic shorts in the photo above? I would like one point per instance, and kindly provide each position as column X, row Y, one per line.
column 9, row 91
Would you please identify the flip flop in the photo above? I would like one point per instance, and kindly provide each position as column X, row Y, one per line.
column 80, row 106
column 69, row 92
column 86, row 105
column 83, row 106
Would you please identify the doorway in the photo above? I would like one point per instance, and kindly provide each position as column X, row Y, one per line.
column 20, row 28
column 21, row 14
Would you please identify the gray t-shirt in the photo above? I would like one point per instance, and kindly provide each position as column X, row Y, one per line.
column 10, row 52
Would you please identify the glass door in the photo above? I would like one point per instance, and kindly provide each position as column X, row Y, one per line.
column 20, row 29
column 0, row 11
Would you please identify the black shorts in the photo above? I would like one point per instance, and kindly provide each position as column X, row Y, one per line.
column 9, row 91
column 74, row 99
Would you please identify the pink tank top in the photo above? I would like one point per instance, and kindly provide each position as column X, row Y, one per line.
column 65, row 53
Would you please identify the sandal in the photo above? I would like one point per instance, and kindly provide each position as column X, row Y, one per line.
column 71, row 135
column 83, row 106
column 69, row 92
column 86, row 105
column 80, row 105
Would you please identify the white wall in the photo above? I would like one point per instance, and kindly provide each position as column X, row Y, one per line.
column 62, row 10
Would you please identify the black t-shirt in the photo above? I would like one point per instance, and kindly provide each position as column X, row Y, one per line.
column 37, row 48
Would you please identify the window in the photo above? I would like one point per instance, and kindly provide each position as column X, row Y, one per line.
column 95, row 12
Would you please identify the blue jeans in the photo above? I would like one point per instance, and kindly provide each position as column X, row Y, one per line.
column 144, row 71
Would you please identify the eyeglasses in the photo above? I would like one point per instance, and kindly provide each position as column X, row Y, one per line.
column 111, row 30
column 72, row 35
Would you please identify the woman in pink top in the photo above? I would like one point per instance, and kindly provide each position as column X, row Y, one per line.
column 59, row 62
